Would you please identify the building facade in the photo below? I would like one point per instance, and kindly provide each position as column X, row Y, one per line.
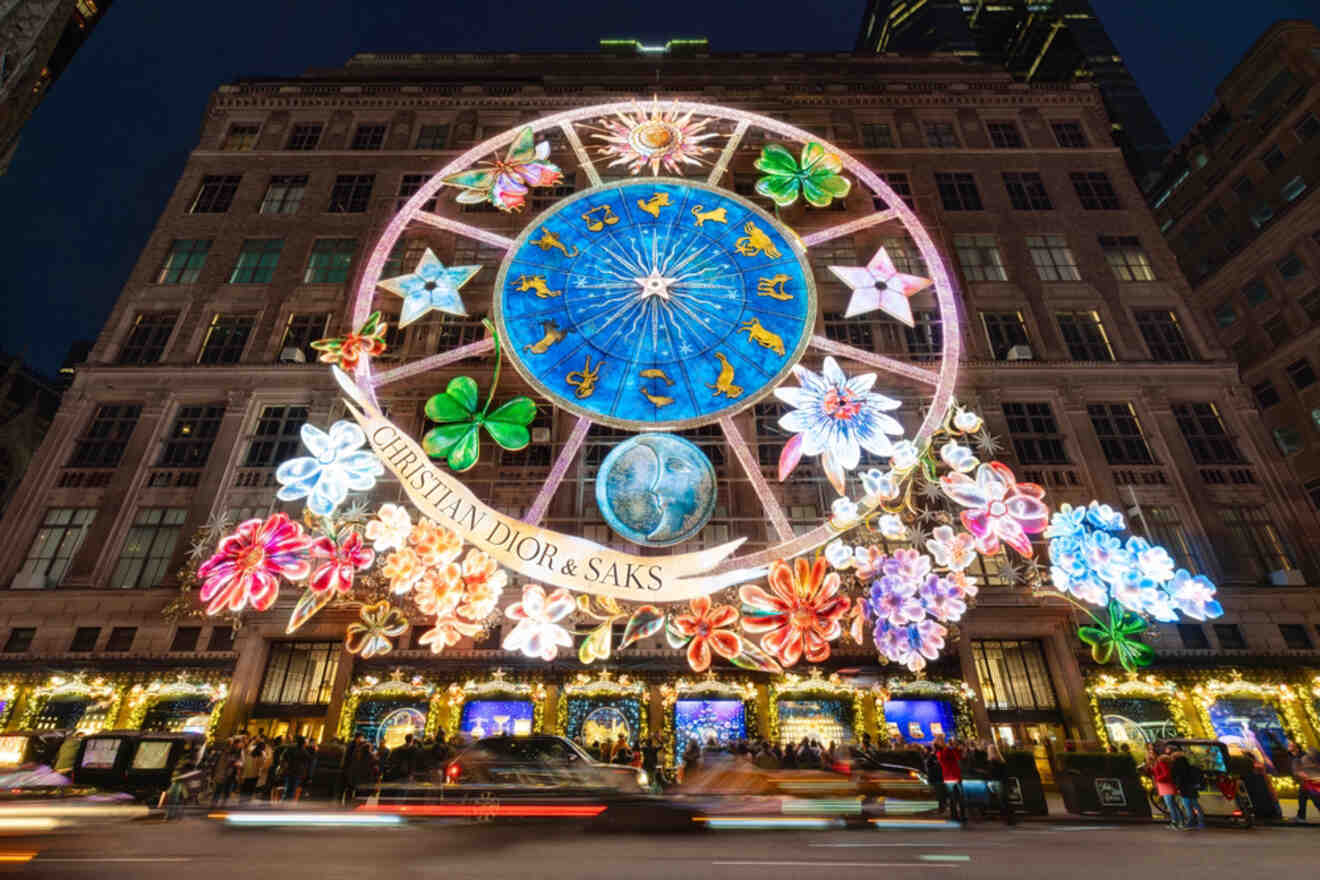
column 1082, row 351
column 1237, row 204
column 38, row 39
column 1056, row 42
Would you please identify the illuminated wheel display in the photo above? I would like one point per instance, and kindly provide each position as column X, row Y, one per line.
column 661, row 303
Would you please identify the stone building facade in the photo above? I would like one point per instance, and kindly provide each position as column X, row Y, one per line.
column 1084, row 352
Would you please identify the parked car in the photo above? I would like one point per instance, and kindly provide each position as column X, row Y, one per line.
column 133, row 761
column 31, row 747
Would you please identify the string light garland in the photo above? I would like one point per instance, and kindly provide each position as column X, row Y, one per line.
column 370, row 687
column 1104, row 686
column 497, row 686
column 585, row 694
column 8, row 696
column 141, row 698
column 815, row 687
column 98, row 689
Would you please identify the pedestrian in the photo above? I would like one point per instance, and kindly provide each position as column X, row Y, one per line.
column 950, row 759
column 1161, row 771
column 251, row 761
column 363, row 772
column 691, row 758
column 1188, row 777
column 998, row 771
column 1306, row 770
column 227, row 769
column 934, row 776
column 298, row 766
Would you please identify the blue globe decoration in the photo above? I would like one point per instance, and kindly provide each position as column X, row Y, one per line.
column 656, row 490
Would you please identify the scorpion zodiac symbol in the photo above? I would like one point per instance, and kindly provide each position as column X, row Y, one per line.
column 584, row 380
column 724, row 381
column 756, row 242
column 549, row 240
column 537, row 283
column 716, row 215
column 761, row 336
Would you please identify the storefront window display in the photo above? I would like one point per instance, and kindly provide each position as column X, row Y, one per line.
column 595, row 709
column 1251, row 724
column 919, row 721
column 181, row 714
column 1259, row 718
column 723, row 721
column 828, row 721
column 496, row 717
column 387, row 721
column 72, row 704
column 188, row 703
column 1137, row 720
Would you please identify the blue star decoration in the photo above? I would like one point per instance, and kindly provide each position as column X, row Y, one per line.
column 430, row 286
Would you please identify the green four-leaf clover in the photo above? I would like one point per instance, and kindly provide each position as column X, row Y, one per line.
column 1119, row 636
column 816, row 175
column 457, row 438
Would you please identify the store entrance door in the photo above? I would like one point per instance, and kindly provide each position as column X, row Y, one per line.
column 1038, row 737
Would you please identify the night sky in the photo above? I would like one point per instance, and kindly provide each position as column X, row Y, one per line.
column 98, row 159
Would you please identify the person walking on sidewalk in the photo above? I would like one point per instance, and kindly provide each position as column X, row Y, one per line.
column 998, row 768
column 934, row 777
column 1188, row 777
column 1306, row 770
column 950, row 759
column 1161, row 771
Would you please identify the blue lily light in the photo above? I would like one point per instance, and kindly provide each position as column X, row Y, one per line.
column 336, row 465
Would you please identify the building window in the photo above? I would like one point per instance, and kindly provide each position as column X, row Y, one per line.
column 1307, row 128
column 396, row 337
column 145, row 559
column 1193, row 637
column 979, row 257
column 1069, row 135
column 58, row 539
column 276, row 436
column 1035, row 434
column 146, row 341
column 1230, row 636
column 958, row 191
column 545, row 196
column 1004, row 331
column 1290, row 267
column 1272, row 159
column 241, row 138
column 257, row 261
column 905, row 256
column 404, row 257
column 284, row 194
column 351, row 193
column 1052, row 258
column 84, row 639
column 300, row 673
column 185, row 639
column 184, row 262
column 216, row 194
column 191, row 438
column 408, row 187
column 1277, row 329
column 1265, row 394
column 432, row 137
column 301, row 331
column 454, row 331
column 1085, row 336
column 925, row 338
column 222, row 639
column 305, row 136
column 121, row 639
column 1094, row 190
column 226, row 338
column 1119, row 433
column 330, row 261
column 368, row 137
column 1163, row 335
column 1295, row 636
column 942, row 135
column 850, row 331
column 1204, row 432
column 1293, row 189
column 876, row 135
column 902, row 188
column 1301, row 374
column 1005, row 135
column 1026, row 191
column 1166, row 529
column 1225, row 315
column 1014, row 675
column 1254, row 544
column 1311, row 304
column 1289, row 441
column 1127, row 259
column 103, row 444
column 20, row 639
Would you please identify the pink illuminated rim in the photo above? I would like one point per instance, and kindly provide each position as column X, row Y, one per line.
column 946, row 302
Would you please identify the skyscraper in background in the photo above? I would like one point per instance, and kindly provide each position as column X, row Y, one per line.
column 1048, row 41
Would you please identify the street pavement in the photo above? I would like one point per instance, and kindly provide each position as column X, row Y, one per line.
column 196, row 848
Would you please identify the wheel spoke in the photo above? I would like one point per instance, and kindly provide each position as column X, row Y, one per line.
column 722, row 164
column 879, row 361
column 848, row 228
column 480, row 348
column 581, row 152
column 764, row 494
column 536, row 512
column 494, row 239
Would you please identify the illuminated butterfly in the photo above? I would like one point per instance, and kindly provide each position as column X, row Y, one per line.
column 505, row 184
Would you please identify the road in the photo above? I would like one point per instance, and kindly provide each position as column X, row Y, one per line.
column 198, row 849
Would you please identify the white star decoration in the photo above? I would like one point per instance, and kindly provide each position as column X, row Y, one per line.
column 878, row 285
column 430, row 286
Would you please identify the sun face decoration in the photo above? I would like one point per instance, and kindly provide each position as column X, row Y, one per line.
column 655, row 137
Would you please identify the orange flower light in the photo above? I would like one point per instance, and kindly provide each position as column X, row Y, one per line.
column 800, row 615
column 709, row 628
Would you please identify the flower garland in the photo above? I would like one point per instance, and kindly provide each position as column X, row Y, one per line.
column 369, row 687
column 8, row 696
column 815, row 687
column 585, row 690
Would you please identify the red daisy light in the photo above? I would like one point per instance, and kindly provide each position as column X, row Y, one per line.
column 709, row 628
column 338, row 561
column 248, row 564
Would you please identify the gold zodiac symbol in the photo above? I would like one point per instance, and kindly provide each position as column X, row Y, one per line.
column 717, row 215
column 549, row 240
column 659, row 400
column 584, row 380
column 724, row 381
column 756, row 242
column 766, row 287
column 537, row 283
column 761, row 336
column 552, row 335
column 597, row 225
column 653, row 205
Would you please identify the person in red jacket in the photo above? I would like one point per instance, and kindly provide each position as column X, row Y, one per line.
column 950, row 758
column 1161, row 771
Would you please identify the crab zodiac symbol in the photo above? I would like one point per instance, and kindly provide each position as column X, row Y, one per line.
column 756, row 242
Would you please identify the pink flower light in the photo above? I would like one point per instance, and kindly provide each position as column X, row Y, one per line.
column 249, row 563
column 1000, row 508
column 339, row 562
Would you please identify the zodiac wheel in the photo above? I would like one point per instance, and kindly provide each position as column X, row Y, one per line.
column 663, row 302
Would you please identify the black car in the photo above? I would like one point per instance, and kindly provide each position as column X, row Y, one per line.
column 540, row 761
